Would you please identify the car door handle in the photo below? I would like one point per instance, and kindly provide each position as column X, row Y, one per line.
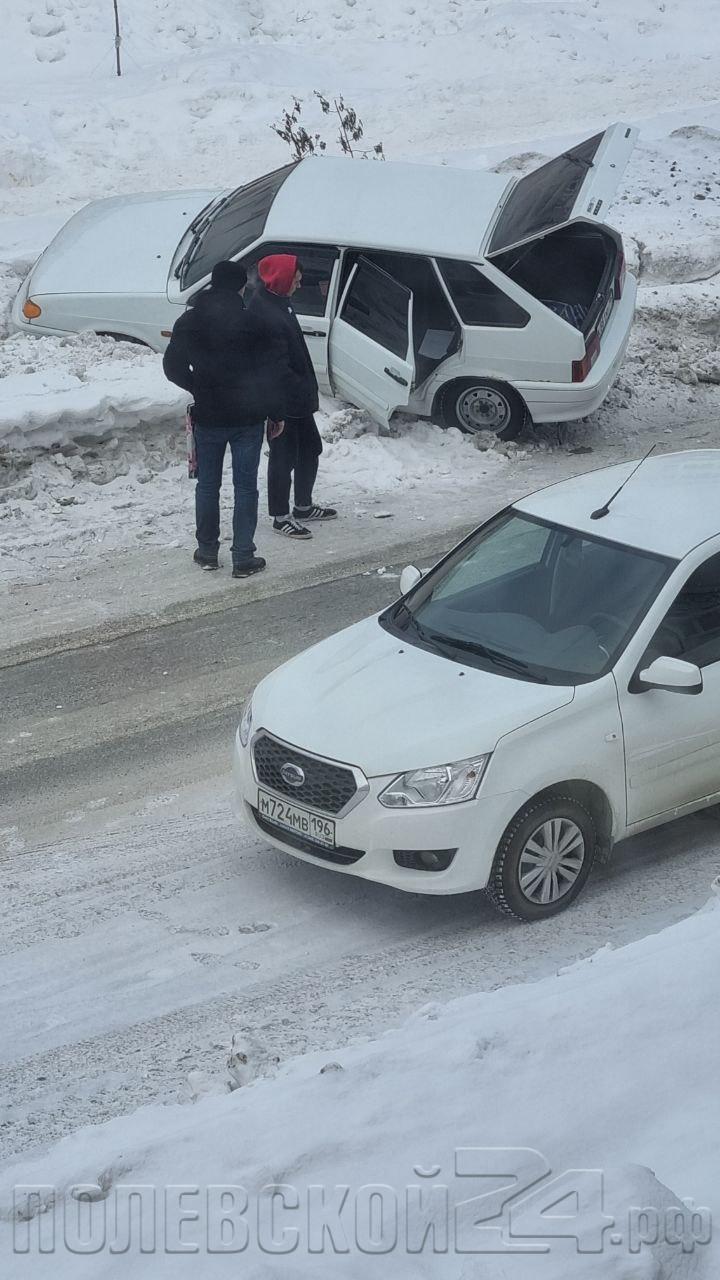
column 314, row 333
column 397, row 377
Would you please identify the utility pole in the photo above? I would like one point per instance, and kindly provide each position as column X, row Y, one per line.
column 118, row 38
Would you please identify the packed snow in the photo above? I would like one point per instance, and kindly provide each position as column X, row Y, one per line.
column 560, row 1129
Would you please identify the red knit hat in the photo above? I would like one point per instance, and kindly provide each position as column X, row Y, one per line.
column 278, row 272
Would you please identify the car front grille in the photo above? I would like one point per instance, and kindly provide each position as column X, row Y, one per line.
column 342, row 855
column 326, row 786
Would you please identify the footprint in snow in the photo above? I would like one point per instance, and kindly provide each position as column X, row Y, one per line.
column 254, row 928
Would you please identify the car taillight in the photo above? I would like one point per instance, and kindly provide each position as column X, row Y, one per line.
column 581, row 368
column 31, row 310
column 620, row 274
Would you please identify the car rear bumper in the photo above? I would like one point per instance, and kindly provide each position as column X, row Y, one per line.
column 370, row 833
column 568, row 401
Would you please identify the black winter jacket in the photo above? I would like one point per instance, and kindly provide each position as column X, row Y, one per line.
column 229, row 360
column 295, row 366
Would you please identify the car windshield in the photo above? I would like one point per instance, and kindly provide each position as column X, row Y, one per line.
column 235, row 222
column 533, row 600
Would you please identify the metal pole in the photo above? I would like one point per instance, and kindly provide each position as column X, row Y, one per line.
column 117, row 37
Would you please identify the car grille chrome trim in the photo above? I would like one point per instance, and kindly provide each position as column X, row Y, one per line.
column 330, row 786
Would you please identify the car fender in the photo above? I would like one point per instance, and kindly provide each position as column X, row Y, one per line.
column 581, row 741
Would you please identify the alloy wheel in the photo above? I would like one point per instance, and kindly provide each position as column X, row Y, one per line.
column 551, row 861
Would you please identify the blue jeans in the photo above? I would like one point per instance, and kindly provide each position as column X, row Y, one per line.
column 245, row 446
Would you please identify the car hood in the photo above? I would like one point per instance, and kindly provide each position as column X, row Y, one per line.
column 121, row 245
column 371, row 699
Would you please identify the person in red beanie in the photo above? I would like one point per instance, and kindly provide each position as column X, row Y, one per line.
column 295, row 449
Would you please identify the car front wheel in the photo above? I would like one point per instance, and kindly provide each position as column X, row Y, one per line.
column 481, row 404
column 543, row 859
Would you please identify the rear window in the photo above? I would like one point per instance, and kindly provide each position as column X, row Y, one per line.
column 238, row 222
column 477, row 299
column 545, row 197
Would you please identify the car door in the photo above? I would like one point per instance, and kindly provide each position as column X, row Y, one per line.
column 313, row 301
column 371, row 343
column 672, row 740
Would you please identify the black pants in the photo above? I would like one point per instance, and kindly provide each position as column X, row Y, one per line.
column 296, row 451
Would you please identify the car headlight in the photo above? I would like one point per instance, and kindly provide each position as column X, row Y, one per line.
column 443, row 784
column 246, row 723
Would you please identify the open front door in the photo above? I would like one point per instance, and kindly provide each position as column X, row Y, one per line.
column 371, row 344
column 580, row 183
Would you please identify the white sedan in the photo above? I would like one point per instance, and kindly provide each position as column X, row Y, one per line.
column 478, row 300
column 549, row 688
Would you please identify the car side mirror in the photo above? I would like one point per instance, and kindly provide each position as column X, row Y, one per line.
column 671, row 674
column 409, row 578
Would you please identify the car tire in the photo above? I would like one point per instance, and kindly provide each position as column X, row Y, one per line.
column 482, row 404
column 534, row 825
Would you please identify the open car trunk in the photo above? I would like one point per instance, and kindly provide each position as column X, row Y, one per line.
column 571, row 271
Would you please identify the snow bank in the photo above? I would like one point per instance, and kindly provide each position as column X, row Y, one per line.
column 613, row 1060
column 53, row 389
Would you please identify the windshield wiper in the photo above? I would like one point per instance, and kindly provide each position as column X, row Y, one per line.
column 495, row 656
column 449, row 645
column 199, row 226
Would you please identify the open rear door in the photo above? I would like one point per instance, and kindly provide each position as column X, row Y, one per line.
column 371, row 342
column 580, row 183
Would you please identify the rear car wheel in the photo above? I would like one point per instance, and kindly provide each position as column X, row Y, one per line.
column 543, row 859
column 481, row 404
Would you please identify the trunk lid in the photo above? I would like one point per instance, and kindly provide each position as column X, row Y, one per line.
column 580, row 183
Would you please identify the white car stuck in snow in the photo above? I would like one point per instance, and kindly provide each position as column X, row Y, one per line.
column 460, row 295
column 520, row 708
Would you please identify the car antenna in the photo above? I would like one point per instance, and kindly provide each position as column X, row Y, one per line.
column 603, row 511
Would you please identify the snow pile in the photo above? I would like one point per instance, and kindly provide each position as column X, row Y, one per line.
column 614, row 1060
column 51, row 389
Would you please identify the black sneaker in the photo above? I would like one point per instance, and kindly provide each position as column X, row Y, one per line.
column 289, row 528
column 315, row 513
column 206, row 562
column 248, row 567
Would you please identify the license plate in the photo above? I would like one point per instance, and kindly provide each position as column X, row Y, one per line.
column 602, row 322
column 301, row 821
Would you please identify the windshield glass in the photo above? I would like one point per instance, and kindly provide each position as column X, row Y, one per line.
column 239, row 220
column 545, row 197
column 531, row 599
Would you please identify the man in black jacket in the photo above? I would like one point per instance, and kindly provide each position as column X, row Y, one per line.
column 297, row 448
column 228, row 360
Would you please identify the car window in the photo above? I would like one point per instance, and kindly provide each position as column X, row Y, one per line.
column 317, row 262
column 691, row 628
column 378, row 306
column 240, row 219
column 530, row 598
column 516, row 545
column 478, row 300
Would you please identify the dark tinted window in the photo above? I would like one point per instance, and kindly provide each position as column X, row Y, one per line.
column 317, row 262
column 477, row 299
column 691, row 628
column 545, row 197
column 378, row 307
column 238, row 221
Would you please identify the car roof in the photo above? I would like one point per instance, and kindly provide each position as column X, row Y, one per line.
column 375, row 204
column 670, row 506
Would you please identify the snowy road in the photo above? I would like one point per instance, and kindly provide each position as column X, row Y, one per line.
column 149, row 928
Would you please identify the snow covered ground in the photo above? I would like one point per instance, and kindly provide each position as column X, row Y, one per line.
column 614, row 1062
column 577, row 1114
column 91, row 435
